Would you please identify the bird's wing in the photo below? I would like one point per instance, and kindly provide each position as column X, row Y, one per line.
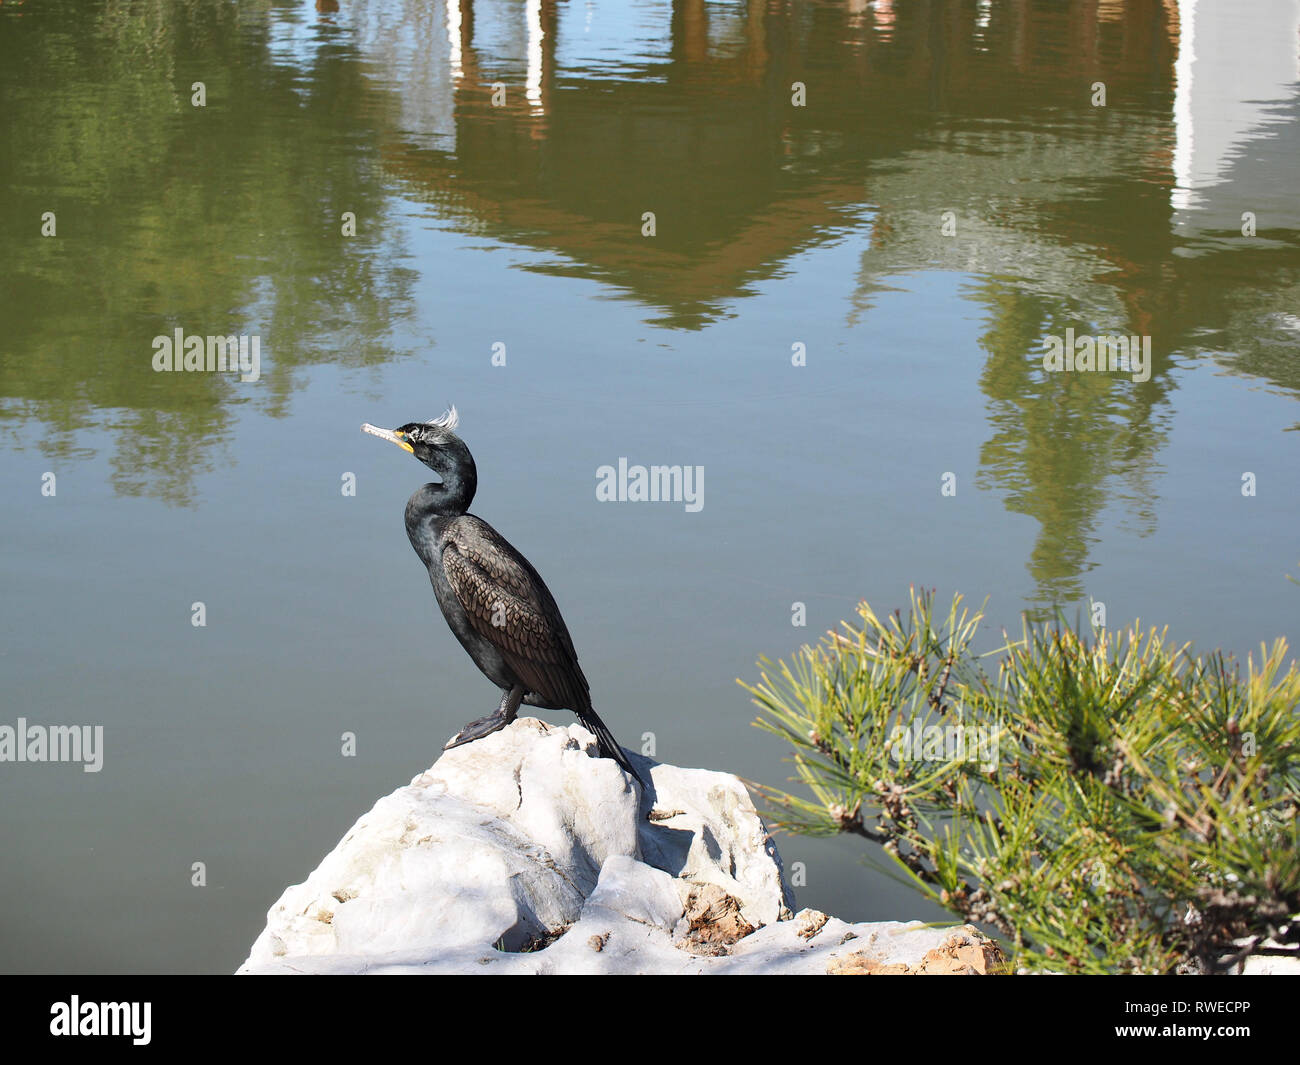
column 509, row 606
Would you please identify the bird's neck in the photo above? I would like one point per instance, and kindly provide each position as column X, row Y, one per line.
column 447, row 500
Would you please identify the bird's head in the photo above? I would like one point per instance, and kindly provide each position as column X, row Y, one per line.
column 434, row 443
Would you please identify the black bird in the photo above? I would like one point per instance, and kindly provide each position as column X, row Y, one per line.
column 499, row 608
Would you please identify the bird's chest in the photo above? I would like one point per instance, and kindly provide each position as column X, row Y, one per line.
column 428, row 544
column 485, row 654
column 443, row 592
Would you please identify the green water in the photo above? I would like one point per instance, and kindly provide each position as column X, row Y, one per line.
column 948, row 196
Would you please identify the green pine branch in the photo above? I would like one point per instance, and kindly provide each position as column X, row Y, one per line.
column 1106, row 800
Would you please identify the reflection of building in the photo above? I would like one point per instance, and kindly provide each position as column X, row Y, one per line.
column 654, row 109
column 1235, row 114
column 613, row 111
column 683, row 108
column 408, row 45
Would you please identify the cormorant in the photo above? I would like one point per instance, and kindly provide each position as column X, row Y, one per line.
column 494, row 601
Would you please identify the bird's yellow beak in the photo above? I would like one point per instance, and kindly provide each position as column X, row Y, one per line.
column 389, row 435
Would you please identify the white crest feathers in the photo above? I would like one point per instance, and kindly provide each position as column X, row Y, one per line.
column 449, row 420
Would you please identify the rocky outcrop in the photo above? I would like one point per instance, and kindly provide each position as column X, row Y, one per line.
column 525, row 853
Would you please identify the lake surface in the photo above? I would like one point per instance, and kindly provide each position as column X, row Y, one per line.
column 842, row 302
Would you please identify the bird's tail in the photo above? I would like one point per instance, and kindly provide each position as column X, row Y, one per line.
column 609, row 747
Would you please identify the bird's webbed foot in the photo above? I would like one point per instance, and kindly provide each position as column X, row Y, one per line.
column 476, row 730
column 485, row 726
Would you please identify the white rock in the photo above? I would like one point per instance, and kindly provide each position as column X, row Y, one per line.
column 527, row 839
column 704, row 829
column 1270, row 965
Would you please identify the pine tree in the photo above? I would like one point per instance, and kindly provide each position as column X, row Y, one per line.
column 1104, row 800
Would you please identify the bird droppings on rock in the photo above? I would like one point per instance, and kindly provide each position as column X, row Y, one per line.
column 525, row 841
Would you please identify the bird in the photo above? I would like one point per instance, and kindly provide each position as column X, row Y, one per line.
column 494, row 601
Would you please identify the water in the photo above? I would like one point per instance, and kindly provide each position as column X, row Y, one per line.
column 521, row 225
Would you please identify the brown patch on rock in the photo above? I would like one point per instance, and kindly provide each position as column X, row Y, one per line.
column 714, row 921
column 859, row 964
column 663, row 815
column 967, row 952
